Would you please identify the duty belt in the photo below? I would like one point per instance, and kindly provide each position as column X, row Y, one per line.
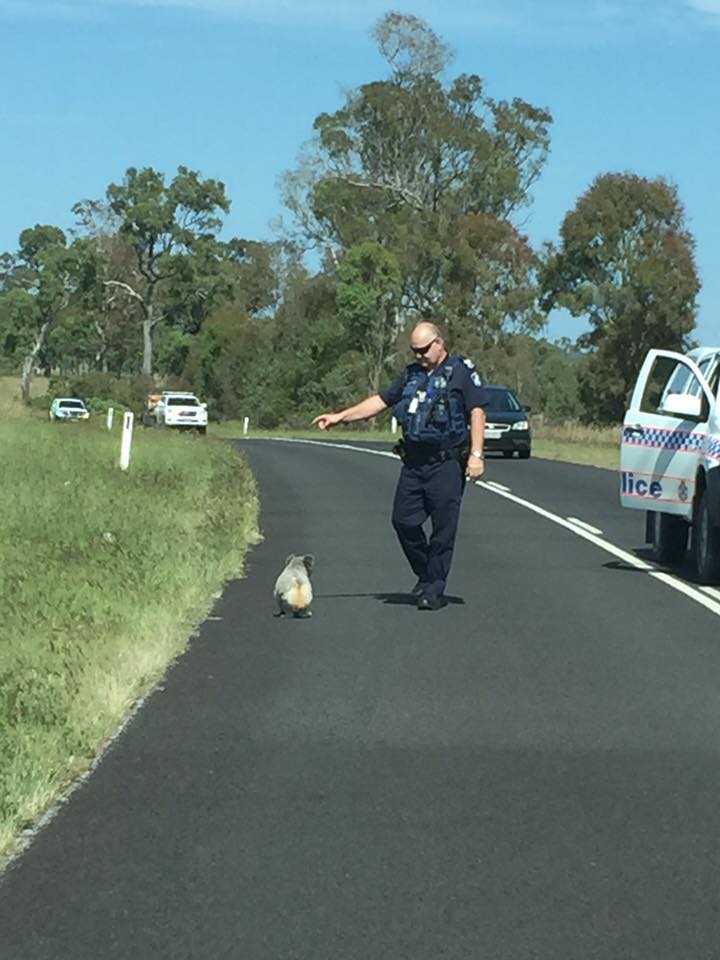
column 418, row 459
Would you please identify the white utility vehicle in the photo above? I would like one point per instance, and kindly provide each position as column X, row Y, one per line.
column 670, row 456
column 181, row 410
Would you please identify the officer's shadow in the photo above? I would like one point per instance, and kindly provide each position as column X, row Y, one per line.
column 396, row 599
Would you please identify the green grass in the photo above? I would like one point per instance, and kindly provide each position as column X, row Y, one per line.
column 12, row 407
column 103, row 577
column 570, row 442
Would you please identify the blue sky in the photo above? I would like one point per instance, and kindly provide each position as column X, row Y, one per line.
column 231, row 88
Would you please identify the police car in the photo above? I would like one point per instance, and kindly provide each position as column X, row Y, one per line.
column 670, row 456
column 68, row 410
column 179, row 410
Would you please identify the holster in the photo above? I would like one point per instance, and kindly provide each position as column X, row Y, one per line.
column 399, row 449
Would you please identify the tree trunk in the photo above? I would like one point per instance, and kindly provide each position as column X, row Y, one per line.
column 148, row 324
column 29, row 362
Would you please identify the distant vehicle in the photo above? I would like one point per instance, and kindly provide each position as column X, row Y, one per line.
column 507, row 428
column 66, row 409
column 670, row 456
column 173, row 408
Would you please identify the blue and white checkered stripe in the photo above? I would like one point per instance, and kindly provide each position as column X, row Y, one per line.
column 684, row 441
column 656, row 437
column 713, row 449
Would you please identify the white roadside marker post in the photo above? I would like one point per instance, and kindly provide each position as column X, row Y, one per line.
column 110, row 418
column 393, row 424
column 246, row 424
column 126, row 441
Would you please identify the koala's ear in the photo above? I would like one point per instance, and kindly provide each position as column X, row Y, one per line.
column 289, row 559
column 309, row 561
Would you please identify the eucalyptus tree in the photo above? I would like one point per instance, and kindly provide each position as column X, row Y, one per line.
column 38, row 282
column 625, row 262
column 407, row 158
column 368, row 297
column 178, row 261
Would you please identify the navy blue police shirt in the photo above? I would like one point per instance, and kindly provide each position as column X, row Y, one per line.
column 465, row 381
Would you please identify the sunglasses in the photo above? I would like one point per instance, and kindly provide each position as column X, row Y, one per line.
column 421, row 351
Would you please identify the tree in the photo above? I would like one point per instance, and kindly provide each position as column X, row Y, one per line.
column 490, row 283
column 407, row 158
column 172, row 230
column 253, row 273
column 557, row 382
column 410, row 47
column 39, row 281
column 368, row 297
column 626, row 262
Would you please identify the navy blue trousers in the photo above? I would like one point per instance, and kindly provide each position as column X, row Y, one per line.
column 431, row 490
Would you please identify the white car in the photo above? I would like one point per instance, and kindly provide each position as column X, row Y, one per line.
column 66, row 409
column 182, row 410
column 670, row 456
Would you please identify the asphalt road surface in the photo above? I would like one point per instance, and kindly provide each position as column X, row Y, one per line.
column 531, row 772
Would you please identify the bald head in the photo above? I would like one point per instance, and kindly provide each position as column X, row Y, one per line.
column 427, row 344
column 424, row 332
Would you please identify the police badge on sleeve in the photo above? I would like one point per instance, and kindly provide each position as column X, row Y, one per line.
column 474, row 375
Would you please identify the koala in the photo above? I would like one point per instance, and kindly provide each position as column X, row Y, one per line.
column 293, row 591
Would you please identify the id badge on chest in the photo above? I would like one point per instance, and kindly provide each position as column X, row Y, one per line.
column 416, row 400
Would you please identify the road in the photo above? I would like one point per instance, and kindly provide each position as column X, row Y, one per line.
column 531, row 772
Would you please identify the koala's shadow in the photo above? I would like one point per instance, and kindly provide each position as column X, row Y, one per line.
column 395, row 599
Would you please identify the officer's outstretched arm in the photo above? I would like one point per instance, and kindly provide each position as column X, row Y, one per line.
column 369, row 407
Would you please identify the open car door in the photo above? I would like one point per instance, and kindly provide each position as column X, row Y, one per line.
column 663, row 434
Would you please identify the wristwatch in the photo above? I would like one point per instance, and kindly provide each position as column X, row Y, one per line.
column 477, row 453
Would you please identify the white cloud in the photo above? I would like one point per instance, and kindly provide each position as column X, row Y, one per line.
column 710, row 9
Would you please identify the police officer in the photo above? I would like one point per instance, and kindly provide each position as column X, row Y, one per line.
column 439, row 400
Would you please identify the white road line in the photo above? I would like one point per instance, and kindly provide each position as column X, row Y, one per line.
column 690, row 591
column 495, row 486
column 585, row 526
column 618, row 552
column 328, row 443
column 694, row 593
column 705, row 599
column 711, row 592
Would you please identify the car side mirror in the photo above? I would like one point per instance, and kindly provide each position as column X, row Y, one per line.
column 527, row 408
column 682, row 405
column 204, row 406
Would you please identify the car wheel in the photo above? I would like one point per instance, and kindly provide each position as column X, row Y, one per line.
column 706, row 543
column 202, row 431
column 524, row 454
column 669, row 537
column 507, row 454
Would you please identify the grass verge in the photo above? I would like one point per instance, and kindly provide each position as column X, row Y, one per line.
column 104, row 575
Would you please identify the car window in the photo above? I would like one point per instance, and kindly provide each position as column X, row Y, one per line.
column 667, row 376
column 182, row 402
column 502, row 401
column 710, row 369
column 72, row 404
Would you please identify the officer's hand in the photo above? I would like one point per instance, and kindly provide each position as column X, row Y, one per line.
column 327, row 420
column 475, row 468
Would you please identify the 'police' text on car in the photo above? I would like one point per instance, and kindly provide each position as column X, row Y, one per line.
column 670, row 456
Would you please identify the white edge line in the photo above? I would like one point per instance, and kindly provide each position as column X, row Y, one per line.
column 494, row 485
column 688, row 590
column 711, row 592
column 670, row 581
column 326, row 443
column 585, row 526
